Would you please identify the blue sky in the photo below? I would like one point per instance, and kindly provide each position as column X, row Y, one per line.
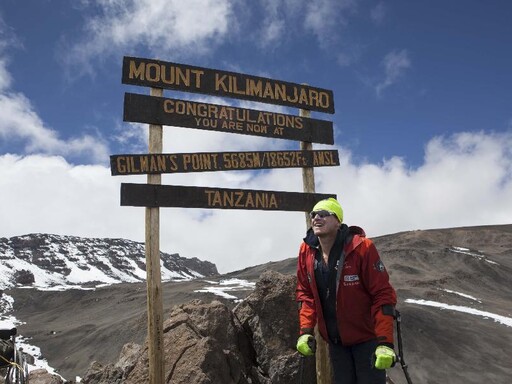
column 423, row 118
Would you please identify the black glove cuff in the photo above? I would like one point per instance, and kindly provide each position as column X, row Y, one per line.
column 303, row 331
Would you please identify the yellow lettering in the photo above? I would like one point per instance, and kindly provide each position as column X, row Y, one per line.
column 280, row 91
column 278, row 131
column 269, row 91
column 168, row 106
column 219, row 82
column 254, row 88
column 256, row 160
column 198, row 74
column 213, row 197
column 152, row 72
column 173, row 162
column 216, row 199
column 121, row 164
column 223, row 113
column 249, row 202
column 324, row 100
column 182, row 77
column 273, row 201
column 202, row 110
column 228, row 199
column 303, row 97
column 235, row 86
column 313, row 97
column 133, row 166
column 239, row 196
column 295, row 96
column 318, row 158
column 153, row 164
column 167, row 74
column 241, row 199
column 144, row 167
column 162, row 165
column 257, row 128
column 260, row 200
column 186, row 161
column 137, row 72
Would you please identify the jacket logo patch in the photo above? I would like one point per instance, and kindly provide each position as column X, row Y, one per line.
column 379, row 266
column 350, row 278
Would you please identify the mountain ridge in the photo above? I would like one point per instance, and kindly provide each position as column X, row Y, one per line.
column 47, row 260
column 453, row 285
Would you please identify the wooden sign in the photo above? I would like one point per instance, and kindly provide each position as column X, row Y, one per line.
column 187, row 78
column 151, row 195
column 223, row 118
column 219, row 161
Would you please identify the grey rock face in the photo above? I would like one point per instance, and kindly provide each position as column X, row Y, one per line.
column 207, row 343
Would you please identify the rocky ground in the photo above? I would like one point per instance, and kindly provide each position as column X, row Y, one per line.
column 462, row 267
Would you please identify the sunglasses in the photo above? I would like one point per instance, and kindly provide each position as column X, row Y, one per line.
column 322, row 214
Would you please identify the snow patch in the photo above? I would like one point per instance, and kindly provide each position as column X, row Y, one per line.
column 461, row 294
column 467, row 251
column 458, row 308
column 222, row 287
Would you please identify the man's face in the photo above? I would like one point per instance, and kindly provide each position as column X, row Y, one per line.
column 325, row 226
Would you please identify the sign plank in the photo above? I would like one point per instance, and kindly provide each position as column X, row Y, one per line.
column 150, row 195
column 219, row 161
column 222, row 118
column 187, row 78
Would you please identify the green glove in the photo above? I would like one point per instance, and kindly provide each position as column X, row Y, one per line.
column 306, row 345
column 384, row 357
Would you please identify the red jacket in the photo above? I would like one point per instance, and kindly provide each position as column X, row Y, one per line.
column 362, row 290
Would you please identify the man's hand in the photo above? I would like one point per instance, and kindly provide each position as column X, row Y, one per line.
column 306, row 345
column 384, row 357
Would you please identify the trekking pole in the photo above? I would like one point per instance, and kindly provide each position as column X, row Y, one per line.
column 401, row 359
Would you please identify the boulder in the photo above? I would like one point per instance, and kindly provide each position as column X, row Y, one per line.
column 42, row 376
column 208, row 343
column 269, row 315
column 114, row 373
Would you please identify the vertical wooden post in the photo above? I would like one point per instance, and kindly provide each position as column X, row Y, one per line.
column 153, row 273
column 323, row 366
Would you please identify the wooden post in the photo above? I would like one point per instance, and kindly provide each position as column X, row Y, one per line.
column 154, row 278
column 323, row 366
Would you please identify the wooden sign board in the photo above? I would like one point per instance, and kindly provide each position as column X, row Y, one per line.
column 152, row 195
column 222, row 118
column 219, row 161
column 187, row 78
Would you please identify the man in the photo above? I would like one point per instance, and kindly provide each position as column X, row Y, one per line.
column 344, row 287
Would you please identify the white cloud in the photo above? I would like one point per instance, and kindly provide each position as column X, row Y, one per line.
column 350, row 55
column 165, row 27
column 169, row 29
column 20, row 123
column 378, row 13
column 395, row 64
column 7, row 40
column 324, row 17
column 466, row 179
column 5, row 76
column 274, row 24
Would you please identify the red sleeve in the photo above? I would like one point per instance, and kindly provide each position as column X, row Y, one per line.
column 376, row 281
column 304, row 294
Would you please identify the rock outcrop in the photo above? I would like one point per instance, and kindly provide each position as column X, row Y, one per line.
column 206, row 343
column 42, row 376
